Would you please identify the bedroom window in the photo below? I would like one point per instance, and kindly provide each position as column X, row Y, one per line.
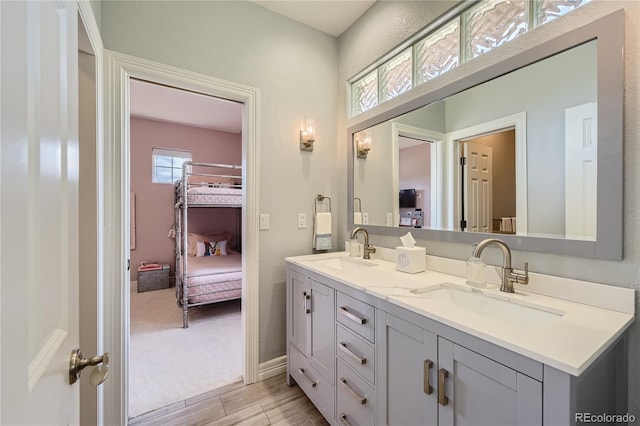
column 167, row 164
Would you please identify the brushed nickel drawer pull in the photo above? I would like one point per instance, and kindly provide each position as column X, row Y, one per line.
column 307, row 297
column 428, row 364
column 361, row 399
column 343, row 419
column 352, row 317
column 442, row 377
column 347, row 351
column 301, row 371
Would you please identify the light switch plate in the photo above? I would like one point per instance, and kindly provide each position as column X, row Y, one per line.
column 389, row 219
column 264, row 221
column 365, row 218
column 302, row 220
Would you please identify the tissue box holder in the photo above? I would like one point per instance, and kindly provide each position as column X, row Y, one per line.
column 411, row 259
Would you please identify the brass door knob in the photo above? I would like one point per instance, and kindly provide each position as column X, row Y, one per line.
column 77, row 363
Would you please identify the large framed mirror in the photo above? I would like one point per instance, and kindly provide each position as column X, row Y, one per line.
column 529, row 150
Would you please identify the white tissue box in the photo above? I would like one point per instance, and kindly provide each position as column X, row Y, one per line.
column 411, row 259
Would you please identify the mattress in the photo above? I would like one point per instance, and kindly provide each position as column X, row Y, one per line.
column 205, row 195
column 214, row 278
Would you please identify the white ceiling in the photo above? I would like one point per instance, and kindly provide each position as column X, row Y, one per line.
column 156, row 102
column 163, row 103
column 329, row 16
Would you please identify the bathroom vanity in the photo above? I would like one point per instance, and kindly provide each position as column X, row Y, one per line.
column 373, row 346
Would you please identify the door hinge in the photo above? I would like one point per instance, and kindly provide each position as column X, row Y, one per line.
column 128, row 264
column 463, row 161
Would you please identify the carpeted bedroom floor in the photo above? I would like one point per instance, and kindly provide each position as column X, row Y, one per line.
column 168, row 363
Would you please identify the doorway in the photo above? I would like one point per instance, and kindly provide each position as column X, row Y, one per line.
column 120, row 69
column 167, row 128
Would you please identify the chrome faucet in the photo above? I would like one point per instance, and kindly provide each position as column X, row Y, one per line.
column 508, row 275
column 368, row 248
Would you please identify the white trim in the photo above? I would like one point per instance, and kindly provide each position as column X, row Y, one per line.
column 120, row 68
column 517, row 121
column 86, row 15
column 437, row 176
column 272, row 368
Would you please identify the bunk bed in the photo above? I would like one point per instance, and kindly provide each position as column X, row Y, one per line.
column 207, row 270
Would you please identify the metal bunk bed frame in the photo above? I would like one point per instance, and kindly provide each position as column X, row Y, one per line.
column 181, row 220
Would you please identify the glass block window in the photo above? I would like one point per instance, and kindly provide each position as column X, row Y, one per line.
column 548, row 10
column 493, row 23
column 396, row 76
column 167, row 164
column 437, row 53
column 364, row 93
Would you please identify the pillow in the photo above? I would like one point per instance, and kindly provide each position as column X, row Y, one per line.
column 211, row 248
column 193, row 238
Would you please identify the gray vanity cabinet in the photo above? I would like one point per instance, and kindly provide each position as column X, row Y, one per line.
column 429, row 380
column 311, row 339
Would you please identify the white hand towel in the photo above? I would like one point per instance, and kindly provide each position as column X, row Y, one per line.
column 506, row 224
column 357, row 218
column 322, row 231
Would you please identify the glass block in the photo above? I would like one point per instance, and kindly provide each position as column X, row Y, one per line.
column 364, row 93
column 396, row 76
column 437, row 53
column 548, row 10
column 493, row 23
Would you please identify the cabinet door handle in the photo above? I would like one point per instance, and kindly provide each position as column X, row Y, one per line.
column 343, row 419
column 361, row 399
column 347, row 351
column 301, row 371
column 428, row 364
column 306, row 297
column 352, row 317
column 442, row 377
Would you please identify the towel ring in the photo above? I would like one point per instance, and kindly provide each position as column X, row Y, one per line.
column 320, row 199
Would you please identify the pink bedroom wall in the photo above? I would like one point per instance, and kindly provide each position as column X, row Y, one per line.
column 154, row 202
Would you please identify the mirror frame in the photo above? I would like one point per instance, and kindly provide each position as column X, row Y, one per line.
column 609, row 32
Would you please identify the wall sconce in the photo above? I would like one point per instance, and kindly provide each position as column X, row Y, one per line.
column 363, row 143
column 307, row 136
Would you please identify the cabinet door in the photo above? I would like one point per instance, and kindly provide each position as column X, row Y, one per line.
column 299, row 306
column 323, row 330
column 407, row 365
column 479, row 391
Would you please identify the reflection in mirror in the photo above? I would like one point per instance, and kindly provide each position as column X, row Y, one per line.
column 514, row 155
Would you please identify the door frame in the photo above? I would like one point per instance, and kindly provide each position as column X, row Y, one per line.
column 119, row 68
column 429, row 136
column 516, row 121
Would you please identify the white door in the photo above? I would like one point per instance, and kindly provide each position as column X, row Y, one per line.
column 581, row 171
column 38, row 212
column 478, row 190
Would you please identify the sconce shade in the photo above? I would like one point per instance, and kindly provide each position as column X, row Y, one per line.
column 363, row 143
column 307, row 136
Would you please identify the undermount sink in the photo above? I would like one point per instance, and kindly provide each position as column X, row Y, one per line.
column 346, row 263
column 491, row 305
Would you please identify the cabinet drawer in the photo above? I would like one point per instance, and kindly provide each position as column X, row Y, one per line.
column 356, row 315
column 319, row 391
column 356, row 398
column 355, row 352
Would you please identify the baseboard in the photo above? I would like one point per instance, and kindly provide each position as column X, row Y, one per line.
column 272, row 368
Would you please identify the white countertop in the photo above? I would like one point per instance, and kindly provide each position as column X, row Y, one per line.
column 561, row 333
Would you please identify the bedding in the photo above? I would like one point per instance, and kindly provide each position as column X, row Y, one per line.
column 214, row 195
column 214, row 278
